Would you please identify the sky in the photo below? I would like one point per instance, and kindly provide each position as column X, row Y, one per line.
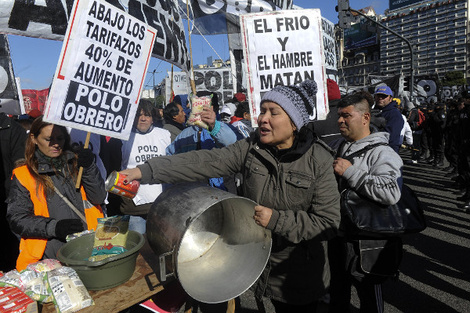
column 35, row 60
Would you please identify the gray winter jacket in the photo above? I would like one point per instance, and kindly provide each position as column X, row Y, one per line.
column 376, row 173
column 20, row 212
column 301, row 189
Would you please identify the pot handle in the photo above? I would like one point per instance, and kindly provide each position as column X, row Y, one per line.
column 162, row 261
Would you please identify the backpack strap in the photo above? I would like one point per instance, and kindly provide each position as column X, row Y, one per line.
column 360, row 151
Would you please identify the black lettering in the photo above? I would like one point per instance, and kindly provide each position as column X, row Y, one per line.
column 53, row 14
column 283, row 42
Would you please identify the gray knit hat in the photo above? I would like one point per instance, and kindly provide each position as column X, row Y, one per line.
column 297, row 100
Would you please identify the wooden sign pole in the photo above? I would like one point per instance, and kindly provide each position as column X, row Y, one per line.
column 80, row 170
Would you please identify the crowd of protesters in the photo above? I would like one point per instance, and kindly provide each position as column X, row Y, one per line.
column 289, row 165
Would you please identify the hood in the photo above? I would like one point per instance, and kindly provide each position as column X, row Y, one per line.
column 373, row 138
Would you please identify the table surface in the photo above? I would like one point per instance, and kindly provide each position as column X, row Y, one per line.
column 142, row 285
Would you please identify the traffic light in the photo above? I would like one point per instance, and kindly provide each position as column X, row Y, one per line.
column 344, row 14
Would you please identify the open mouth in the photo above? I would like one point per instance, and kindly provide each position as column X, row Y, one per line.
column 264, row 131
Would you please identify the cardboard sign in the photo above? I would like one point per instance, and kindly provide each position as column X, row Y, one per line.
column 101, row 69
column 284, row 48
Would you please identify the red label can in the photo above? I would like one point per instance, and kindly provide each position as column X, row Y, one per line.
column 115, row 184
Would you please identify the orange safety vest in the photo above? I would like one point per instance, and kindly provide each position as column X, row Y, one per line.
column 32, row 250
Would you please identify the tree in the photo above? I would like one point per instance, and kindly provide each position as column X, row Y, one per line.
column 455, row 78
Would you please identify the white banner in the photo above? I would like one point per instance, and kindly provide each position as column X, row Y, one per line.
column 102, row 65
column 48, row 19
column 283, row 48
column 329, row 45
column 217, row 80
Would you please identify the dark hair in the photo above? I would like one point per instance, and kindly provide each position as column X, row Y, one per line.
column 242, row 108
column 170, row 111
column 149, row 109
column 356, row 100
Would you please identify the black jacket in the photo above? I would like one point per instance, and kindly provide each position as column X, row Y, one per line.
column 12, row 144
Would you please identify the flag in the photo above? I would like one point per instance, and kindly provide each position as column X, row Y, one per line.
column 213, row 17
column 34, row 99
column 9, row 99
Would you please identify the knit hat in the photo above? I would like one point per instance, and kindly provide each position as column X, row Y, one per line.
column 333, row 90
column 297, row 100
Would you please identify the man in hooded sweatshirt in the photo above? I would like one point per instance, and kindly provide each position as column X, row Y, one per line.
column 366, row 164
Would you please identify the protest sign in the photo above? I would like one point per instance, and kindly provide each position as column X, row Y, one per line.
column 217, row 80
column 329, row 44
column 48, row 20
column 284, row 48
column 101, row 69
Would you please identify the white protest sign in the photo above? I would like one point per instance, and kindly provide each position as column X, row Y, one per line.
column 102, row 65
column 284, row 48
column 217, row 80
column 329, row 44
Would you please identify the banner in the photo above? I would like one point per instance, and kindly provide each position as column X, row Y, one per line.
column 34, row 99
column 48, row 19
column 217, row 80
column 102, row 65
column 211, row 17
column 9, row 100
column 329, row 44
column 284, row 48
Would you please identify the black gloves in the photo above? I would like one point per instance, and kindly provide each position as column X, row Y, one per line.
column 85, row 157
column 67, row 227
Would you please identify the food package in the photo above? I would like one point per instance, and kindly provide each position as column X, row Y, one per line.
column 11, row 279
column 68, row 292
column 77, row 235
column 110, row 237
column 13, row 300
column 33, row 279
column 197, row 106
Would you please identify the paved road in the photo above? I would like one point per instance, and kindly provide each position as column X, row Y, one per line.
column 435, row 272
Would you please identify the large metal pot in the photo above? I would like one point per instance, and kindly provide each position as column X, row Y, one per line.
column 207, row 239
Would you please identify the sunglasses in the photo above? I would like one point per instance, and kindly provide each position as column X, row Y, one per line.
column 381, row 96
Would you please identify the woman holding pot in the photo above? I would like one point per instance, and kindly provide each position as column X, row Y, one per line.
column 43, row 193
column 288, row 172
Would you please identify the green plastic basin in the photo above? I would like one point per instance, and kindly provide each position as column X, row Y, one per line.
column 104, row 274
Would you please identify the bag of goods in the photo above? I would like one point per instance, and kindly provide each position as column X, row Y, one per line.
column 197, row 106
column 77, row 235
column 12, row 279
column 33, row 279
column 110, row 237
column 67, row 290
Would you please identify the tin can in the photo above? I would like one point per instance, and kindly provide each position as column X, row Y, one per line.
column 115, row 184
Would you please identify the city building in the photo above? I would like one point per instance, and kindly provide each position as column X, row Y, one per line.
column 360, row 53
column 437, row 30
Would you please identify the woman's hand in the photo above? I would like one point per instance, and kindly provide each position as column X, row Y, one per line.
column 131, row 174
column 262, row 215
